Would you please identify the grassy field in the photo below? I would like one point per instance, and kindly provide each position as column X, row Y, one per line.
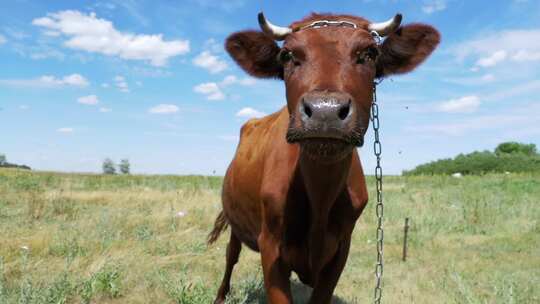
column 69, row 238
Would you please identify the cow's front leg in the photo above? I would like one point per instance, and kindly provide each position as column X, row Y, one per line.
column 277, row 179
column 276, row 273
column 324, row 289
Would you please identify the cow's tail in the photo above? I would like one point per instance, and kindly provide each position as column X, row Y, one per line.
column 220, row 225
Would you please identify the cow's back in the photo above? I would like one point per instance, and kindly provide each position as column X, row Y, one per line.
column 242, row 184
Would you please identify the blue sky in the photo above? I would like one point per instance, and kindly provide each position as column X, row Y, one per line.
column 149, row 81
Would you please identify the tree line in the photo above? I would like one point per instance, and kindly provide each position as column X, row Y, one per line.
column 507, row 157
column 5, row 164
column 109, row 167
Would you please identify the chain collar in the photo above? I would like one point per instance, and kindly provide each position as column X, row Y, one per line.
column 376, row 36
column 379, row 207
column 326, row 23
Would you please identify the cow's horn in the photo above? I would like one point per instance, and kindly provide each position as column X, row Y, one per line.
column 277, row 32
column 387, row 27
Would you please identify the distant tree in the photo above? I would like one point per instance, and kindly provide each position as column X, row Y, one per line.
column 124, row 166
column 513, row 147
column 108, row 166
column 3, row 159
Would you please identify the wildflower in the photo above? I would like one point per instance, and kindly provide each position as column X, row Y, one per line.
column 180, row 214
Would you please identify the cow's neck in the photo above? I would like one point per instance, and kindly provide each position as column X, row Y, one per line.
column 323, row 182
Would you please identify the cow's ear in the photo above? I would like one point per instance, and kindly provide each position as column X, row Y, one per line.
column 406, row 48
column 256, row 53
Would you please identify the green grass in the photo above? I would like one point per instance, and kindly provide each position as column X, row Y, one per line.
column 74, row 238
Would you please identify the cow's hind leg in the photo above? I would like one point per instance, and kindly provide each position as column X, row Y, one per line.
column 233, row 251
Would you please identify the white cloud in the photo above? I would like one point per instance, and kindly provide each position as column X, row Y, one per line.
column 492, row 60
column 75, row 80
column 105, row 110
column 434, row 6
column 250, row 113
column 45, row 53
column 164, row 109
column 51, row 33
column 149, row 72
column 487, row 78
column 105, row 5
column 134, row 9
column 65, row 130
column 2, row 39
column 15, row 33
column 211, row 90
column 210, row 62
column 229, row 6
column 121, row 84
column 95, row 35
column 466, row 104
column 212, row 45
column 248, row 81
column 214, row 90
column 231, row 79
column 90, row 100
column 47, row 81
column 497, row 47
column 465, row 127
column 531, row 88
column 228, row 80
column 24, row 107
column 472, row 81
column 525, row 55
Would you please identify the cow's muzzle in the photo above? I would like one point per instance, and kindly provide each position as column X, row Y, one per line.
column 326, row 125
column 326, row 115
column 323, row 115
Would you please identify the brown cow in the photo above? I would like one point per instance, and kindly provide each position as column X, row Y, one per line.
column 295, row 187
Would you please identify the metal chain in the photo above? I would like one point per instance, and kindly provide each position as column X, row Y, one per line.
column 379, row 206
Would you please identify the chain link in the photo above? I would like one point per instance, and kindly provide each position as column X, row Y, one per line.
column 379, row 207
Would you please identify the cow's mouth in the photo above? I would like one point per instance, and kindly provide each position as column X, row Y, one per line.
column 325, row 149
column 354, row 138
column 327, row 145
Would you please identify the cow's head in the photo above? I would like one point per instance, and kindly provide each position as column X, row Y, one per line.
column 329, row 64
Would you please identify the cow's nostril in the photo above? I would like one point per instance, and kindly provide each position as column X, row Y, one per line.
column 344, row 111
column 307, row 109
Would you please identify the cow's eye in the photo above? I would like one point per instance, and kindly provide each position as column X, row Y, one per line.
column 285, row 56
column 369, row 54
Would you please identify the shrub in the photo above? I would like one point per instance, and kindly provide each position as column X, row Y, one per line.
column 124, row 166
column 507, row 157
column 106, row 282
column 108, row 166
column 513, row 147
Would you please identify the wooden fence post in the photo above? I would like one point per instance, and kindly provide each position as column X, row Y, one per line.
column 405, row 233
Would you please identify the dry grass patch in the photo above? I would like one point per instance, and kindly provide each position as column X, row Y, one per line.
column 74, row 238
